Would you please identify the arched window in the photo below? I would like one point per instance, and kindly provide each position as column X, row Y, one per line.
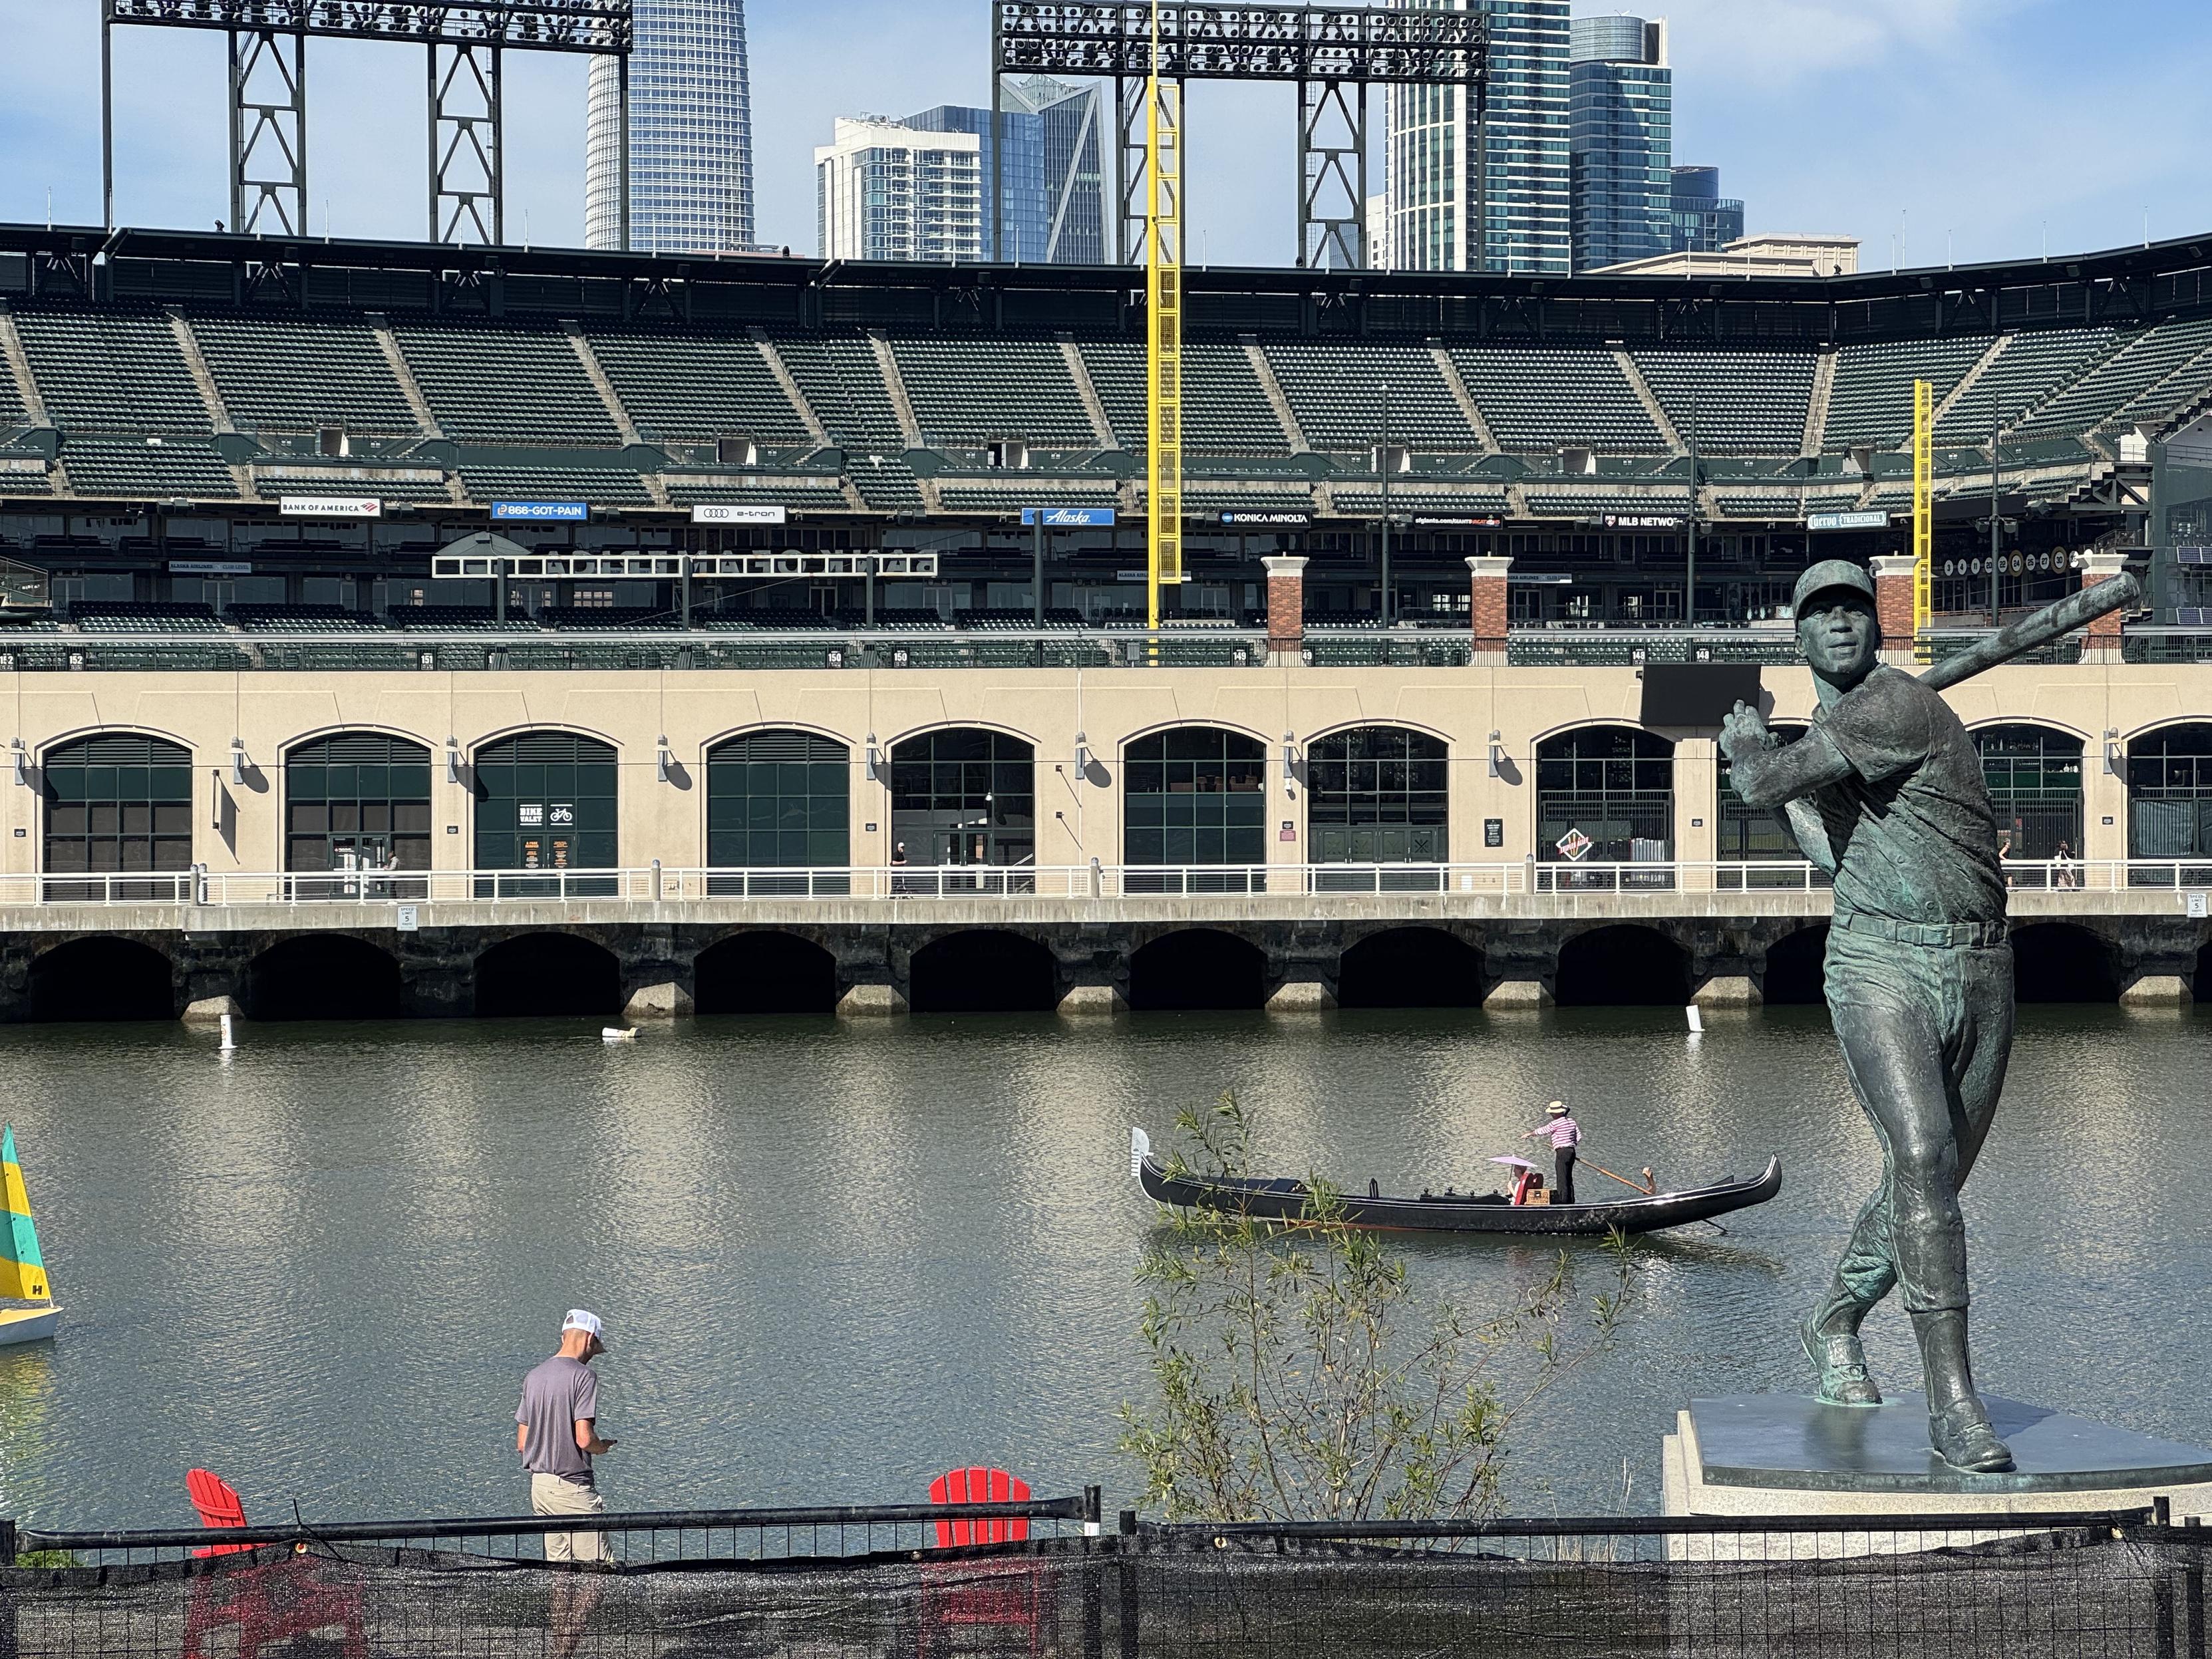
column 2170, row 799
column 1755, row 835
column 1605, row 795
column 355, row 802
column 117, row 803
column 1378, row 795
column 546, row 800
column 1195, row 795
column 2034, row 779
column 778, row 800
column 963, row 796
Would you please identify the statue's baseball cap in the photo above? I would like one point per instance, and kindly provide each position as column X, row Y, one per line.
column 1831, row 573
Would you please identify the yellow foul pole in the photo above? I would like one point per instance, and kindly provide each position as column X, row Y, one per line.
column 1923, row 536
column 1163, row 339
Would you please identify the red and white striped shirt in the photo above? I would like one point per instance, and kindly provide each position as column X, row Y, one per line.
column 1560, row 1131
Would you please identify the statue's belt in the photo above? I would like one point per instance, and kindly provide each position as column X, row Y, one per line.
column 1969, row 934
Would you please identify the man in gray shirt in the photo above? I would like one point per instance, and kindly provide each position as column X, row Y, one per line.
column 555, row 1432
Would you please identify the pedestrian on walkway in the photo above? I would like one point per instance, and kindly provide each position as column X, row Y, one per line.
column 556, row 1432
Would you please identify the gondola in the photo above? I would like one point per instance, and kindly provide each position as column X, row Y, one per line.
column 1284, row 1199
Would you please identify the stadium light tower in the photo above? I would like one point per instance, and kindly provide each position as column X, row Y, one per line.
column 1332, row 53
column 464, row 39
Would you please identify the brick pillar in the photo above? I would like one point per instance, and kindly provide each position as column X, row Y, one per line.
column 1893, row 605
column 2101, row 641
column 1286, row 604
column 1487, row 606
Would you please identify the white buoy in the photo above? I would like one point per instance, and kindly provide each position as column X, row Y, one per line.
column 1697, row 1019
column 617, row 1034
column 229, row 1042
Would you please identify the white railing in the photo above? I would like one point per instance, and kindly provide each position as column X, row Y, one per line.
column 664, row 885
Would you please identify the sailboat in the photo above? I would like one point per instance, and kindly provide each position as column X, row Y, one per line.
column 23, row 1273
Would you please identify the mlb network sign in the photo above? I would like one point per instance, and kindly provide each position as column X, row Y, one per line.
column 1068, row 517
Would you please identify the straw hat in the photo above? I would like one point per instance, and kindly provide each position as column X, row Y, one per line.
column 1556, row 1108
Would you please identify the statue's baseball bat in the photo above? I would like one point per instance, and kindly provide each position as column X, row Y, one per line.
column 2052, row 621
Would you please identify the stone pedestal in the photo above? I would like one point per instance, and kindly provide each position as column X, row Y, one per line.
column 1092, row 1002
column 1301, row 996
column 1510, row 995
column 663, row 1001
column 1789, row 1455
column 2159, row 991
column 209, row 1011
column 869, row 1001
column 1728, row 991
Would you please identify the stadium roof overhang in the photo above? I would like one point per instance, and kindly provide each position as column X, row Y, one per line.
column 2126, row 287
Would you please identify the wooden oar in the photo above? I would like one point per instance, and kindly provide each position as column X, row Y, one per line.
column 1637, row 1186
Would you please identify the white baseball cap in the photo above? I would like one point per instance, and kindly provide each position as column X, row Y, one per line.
column 580, row 1319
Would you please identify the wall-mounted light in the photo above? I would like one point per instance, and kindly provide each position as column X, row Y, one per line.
column 238, row 762
column 1497, row 756
column 875, row 760
column 22, row 762
column 1290, row 763
column 662, row 760
column 452, row 760
column 2115, row 757
column 1082, row 755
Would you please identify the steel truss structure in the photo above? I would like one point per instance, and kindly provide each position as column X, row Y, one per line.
column 464, row 40
column 1333, row 54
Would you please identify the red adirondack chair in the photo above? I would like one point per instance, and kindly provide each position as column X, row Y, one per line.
column 269, row 1604
column 1001, row 1594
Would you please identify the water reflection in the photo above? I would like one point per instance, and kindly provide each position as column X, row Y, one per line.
column 837, row 1259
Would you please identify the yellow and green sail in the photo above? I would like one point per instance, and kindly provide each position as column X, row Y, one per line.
column 23, row 1273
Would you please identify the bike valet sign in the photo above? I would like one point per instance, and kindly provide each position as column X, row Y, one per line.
column 550, row 851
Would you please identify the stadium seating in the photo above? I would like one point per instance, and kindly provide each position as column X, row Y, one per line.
column 455, row 619
column 893, row 619
column 604, row 619
column 1012, row 619
column 112, row 370
column 1366, row 499
column 1342, row 394
column 1738, row 402
column 506, row 385
column 1019, row 389
column 278, row 373
column 1010, row 493
column 125, row 616
column 2160, row 370
column 682, row 387
column 1226, row 411
column 595, row 484
column 1872, row 400
column 2029, row 368
column 143, row 467
column 302, row 619
column 815, row 497
column 1538, row 398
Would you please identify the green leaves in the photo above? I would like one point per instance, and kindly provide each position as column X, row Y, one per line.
column 1297, row 1375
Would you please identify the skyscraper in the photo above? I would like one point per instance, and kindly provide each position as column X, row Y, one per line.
column 690, row 134
column 1620, row 116
column 1051, row 178
column 885, row 190
column 1435, row 180
column 1702, row 220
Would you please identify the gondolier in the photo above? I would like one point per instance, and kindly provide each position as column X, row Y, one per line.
column 1565, row 1134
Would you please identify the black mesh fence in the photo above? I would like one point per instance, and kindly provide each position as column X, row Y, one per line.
column 1914, row 1588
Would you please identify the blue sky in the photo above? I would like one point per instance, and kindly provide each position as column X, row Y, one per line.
column 1980, row 125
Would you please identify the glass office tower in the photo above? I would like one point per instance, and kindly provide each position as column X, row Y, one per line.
column 690, row 134
column 1433, row 185
column 1052, row 176
column 1704, row 220
column 1621, row 117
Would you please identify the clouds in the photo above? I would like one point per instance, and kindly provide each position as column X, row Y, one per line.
column 1983, row 117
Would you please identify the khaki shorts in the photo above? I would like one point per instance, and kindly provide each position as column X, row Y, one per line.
column 556, row 1494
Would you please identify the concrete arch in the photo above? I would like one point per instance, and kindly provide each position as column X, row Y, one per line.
column 982, row 970
column 1796, row 966
column 2043, row 722
column 1411, row 967
column 2128, row 738
column 339, row 728
column 127, row 729
column 1374, row 722
column 765, row 970
column 324, row 975
column 912, row 732
column 547, row 973
column 1538, row 739
column 1154, row 729
column 1624, row 965
column 2064, row 962
column 102, row 976
column 1195, row 968
column 714, row 740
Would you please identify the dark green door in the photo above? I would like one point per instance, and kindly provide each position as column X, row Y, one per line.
column 357, row 805
column 546, row 802
column 117, row 804
column 779, row 800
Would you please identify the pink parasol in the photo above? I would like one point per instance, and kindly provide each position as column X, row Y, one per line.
column 1517, row 1163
